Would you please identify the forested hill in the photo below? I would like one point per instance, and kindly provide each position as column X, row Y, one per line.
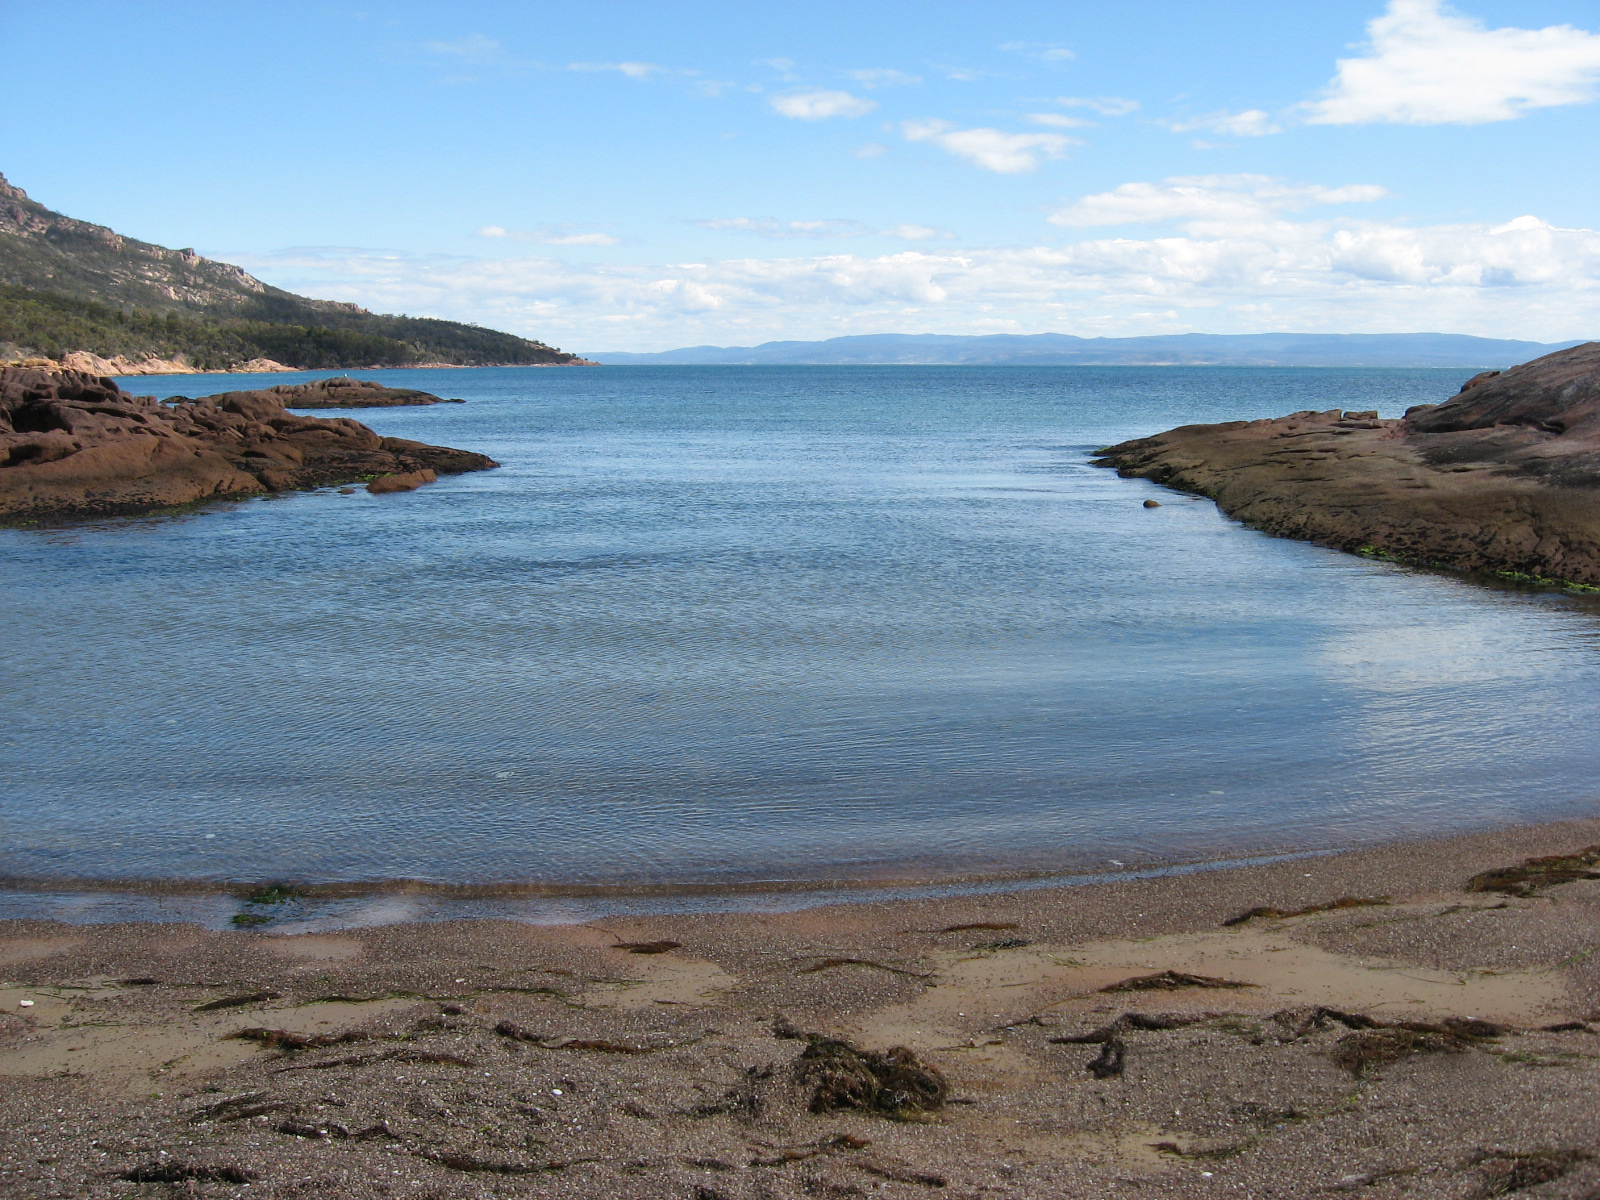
column 67, row 285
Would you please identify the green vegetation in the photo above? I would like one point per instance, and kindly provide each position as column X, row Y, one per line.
column 1382, row 555
column 267, row 894
column 1521, row 578
column 52, row 324
column 1566, row 585
column 67, row 285
column 274, row 893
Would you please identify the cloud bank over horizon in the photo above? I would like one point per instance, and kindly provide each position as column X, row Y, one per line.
column 1235, row 261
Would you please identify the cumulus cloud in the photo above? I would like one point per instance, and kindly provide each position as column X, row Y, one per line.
column 1523, row 278
column 833, row 227
column 1251, row 253
column 991, row 149
column 1213, row 199
column 550, row 235
column 1425, row 64
column 821, row 104
column 1252, row 122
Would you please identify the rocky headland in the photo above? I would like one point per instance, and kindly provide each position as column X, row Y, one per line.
column 1504, row 477
column 76, row 445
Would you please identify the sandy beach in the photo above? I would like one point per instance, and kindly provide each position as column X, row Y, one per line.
column 1434, row 1043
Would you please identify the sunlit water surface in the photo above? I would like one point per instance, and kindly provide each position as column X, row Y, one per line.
column 740, row 626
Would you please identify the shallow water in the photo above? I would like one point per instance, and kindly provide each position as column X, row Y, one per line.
column 738, row 626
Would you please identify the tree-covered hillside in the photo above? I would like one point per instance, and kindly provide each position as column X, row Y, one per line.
column 68, row 285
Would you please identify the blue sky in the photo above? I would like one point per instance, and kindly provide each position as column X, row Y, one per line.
column 624, row 175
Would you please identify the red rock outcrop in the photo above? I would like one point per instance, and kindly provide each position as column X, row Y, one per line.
column 341, row 392
column 1503, row 477
column 74, row 445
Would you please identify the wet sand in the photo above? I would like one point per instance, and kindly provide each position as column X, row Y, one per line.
column 491, row 1058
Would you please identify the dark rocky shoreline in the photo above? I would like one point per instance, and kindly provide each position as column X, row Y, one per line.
column 342, row 392
column 1503, row 478
column 75, row 445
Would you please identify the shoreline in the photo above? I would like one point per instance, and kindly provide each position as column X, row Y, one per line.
column 299, row 904
column 654, row 1055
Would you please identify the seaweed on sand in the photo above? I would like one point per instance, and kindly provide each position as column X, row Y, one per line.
column 1535, row 874
column 1382, row 1043
column 1263, row 911
column 178, row 1172
column 1171, row 981
column 283, row 1039
column 1504, row 1173
column 892, row 1083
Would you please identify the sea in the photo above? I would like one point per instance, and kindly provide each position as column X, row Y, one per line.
column 726, row 636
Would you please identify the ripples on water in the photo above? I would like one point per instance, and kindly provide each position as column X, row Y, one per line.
column 755, row 624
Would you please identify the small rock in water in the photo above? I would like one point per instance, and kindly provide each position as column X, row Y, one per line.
column 347, row 491
column 1152, row 504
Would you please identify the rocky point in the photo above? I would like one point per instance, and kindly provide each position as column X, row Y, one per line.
column 1503, row 477
column 74, row 445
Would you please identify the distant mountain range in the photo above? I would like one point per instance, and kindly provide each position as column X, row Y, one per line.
column 68, row 287
column 1061, row 349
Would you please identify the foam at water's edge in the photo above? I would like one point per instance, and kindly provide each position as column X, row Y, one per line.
column 338, row 906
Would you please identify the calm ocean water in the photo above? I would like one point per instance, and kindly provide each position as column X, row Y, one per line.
column 734, row 625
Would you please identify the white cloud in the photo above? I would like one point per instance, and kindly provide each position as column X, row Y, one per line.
column 1059, row 121
column 633, row 70
column 821, row 104
column 870, row 150
column 1210, row 199
column 962, row 74
column 550, row 235
column 475, row 47
column 1425, row 64
column 876, row 77
column 1044, row 51
column 1253, row 122
column 915, row 233
column 833, row 227
column 1106, row 106
column 991, row 149
column 1521, row 278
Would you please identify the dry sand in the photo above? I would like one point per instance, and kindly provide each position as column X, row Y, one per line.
column 663, row 1075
